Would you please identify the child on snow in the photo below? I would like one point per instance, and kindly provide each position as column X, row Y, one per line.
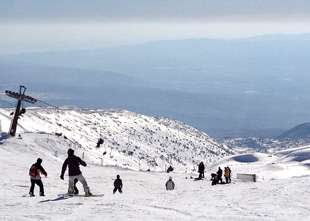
column 35, row 177
column 170, row 184
column 118, row 185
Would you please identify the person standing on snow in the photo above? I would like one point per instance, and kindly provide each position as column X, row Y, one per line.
column 74, row 162
column 201, row 170
column 35, row 177
column 229, row 176
column 118, row 185
column 170, row 184
column 226, row 174
column 219, row 175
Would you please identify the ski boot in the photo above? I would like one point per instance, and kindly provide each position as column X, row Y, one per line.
column 87, row 192
column 31, row 194
column 71, row 192
column 42, row 194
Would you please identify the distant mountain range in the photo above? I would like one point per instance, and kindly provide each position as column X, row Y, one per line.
column 295, row 137
column 301, row 131
column 253, row 85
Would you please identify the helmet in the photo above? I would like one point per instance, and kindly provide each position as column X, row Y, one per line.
column 70, row 152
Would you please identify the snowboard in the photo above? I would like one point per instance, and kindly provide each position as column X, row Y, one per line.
column 79, row 195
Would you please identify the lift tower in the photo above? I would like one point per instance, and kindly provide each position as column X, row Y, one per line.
column 20, row 97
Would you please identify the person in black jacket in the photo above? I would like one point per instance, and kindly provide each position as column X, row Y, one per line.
column 74, row 162
column 118, row 185
column 201, row 170
column 219, row 175
column 35, row 177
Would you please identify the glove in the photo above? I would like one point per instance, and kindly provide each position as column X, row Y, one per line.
column 62, row 177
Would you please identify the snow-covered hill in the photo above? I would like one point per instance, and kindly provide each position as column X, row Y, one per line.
column 281, row 192
column 301, row 131
column 296, row 137
column 263, row 145
column 293, row 162
column 131, row 140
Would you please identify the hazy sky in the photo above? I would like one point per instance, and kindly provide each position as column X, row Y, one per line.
column 41, row 25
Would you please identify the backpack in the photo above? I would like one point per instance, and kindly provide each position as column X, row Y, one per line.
column 170, row 185
column 33, row 170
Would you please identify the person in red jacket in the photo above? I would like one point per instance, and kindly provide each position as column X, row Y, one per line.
column 35, row 177
column 74, row 162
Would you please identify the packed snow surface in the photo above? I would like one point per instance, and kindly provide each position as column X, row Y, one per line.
column 281, row 193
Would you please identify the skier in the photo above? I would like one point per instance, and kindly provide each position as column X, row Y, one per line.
column 35, row 177
column 74, row 162
column 201, row 170
column 118, row 185
column 219, row 175
column 170, row 184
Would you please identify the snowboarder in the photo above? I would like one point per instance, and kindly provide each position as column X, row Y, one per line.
column 201, row 170
column 35, row 177
column 74, row 162
column 219, row 175
column 170, row 184
column 118, row 185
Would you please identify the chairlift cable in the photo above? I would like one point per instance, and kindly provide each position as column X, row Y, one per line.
column 48, row 104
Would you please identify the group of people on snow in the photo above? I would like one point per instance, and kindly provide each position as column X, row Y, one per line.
column 73, row 163
column 216, row 178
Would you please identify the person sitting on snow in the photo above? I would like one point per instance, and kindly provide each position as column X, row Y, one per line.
column 170, row 184
column 214, row 179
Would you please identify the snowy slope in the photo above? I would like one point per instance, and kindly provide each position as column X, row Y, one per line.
column 131, row 140
column 285, row 197
column 293, row 162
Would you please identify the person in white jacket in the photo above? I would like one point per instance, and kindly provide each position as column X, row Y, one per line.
column 170, row 184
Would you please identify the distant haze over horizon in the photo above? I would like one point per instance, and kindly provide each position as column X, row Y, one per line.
column 33, row 26
column 107, row 46
column 253, row 83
